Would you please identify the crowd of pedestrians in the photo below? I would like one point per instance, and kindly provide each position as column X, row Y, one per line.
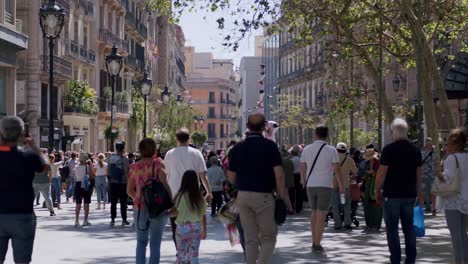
column 249, row 177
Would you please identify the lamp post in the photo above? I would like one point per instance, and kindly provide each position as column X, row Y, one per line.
column 52, row 19
column 165, row 95
column 146, row 84
column 114, row 66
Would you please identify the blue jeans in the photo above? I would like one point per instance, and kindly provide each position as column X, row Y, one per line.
column 101, row 189
column 21, row 229
column 148, row 227
column 56, row 191
column 394, row 210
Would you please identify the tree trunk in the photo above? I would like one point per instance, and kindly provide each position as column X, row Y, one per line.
column 425, row 77
column 428, row 59
column 300, row 135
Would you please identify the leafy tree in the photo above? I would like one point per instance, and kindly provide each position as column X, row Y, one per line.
column 108, row 135
column 80, row 98
column 199, row 137
column 173, row 116
column 290, row 112
column 361, row 138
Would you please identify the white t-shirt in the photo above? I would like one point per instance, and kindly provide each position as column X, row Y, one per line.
column 100, row 171
column 81, row 171
column 322, row 175
column 179, row 160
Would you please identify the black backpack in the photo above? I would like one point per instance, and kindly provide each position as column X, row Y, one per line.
column 65, row 171
column 155, row 196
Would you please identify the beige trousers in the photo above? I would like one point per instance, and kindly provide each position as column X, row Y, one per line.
column 257, row 218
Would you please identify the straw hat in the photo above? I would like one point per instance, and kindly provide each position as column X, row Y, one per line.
column 370, row 154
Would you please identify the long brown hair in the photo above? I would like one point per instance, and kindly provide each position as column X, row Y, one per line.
column 190, row 186
column 101, row 160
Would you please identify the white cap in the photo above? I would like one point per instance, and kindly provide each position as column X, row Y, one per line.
column 341, row 146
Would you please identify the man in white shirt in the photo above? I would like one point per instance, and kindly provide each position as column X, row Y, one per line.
column 181, row 159
column 318, row 179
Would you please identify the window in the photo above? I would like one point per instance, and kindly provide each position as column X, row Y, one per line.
column 75, row 31
column 211, row 130
column 211, row 99
column 221, row 130
column 221, row 97
column 85, row 37
column 9, row 11
column 44, row 98
column 211, row 112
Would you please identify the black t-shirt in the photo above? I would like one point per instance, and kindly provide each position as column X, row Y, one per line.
column 253, row 161
column 402, row 158
column 17, row 168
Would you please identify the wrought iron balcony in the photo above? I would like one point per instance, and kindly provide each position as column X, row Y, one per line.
column 105, row 105
column 92, row 56
column 223, row 101
column 71, row 48
column 106, row 36
column 143, row 30
column 90, row 9
column 62, row 67
column 212, row 116
column 83, row 53
column 134, row 63
column 212, row 136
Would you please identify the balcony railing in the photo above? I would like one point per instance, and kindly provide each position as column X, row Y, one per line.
column 212, row 136
column 92, row 56
column 143, row 30
column 61, row 66
column 223, row 101
column 70, row 109
column 211, row 116
column 71, row 48
column 135, row 63
column 105, row 105
column 211, row 101
column 83, row 53
column 223, row 116
column 231, row 102
column 106, row 36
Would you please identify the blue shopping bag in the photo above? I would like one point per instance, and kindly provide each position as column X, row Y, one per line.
column 418, row 221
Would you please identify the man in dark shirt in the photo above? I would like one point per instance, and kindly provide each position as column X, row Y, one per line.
column 400, row 175
column 17, row 219
column 255, row 166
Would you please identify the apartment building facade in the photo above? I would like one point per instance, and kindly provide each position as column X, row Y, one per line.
column 12, row 40
column 212, row 86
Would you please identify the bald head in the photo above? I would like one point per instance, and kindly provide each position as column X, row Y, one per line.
column 256, row 122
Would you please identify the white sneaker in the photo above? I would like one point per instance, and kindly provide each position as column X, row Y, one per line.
column 86, row 223
column 77, row 223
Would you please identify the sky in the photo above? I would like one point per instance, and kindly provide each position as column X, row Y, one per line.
column 205, row 36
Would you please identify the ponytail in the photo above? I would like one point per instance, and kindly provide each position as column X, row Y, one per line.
column 101, row 163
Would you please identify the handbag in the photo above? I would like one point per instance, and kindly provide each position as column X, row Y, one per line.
column 418, row 221
column 280, row 211
column 444, row 189
column 229, row 212
column 155, row 196
column 86, row 180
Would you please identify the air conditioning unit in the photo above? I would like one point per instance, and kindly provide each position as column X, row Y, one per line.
column 19, row 25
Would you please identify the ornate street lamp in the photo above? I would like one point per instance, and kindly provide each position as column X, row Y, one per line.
column 165, row 95
column 114, row 66
column 396, row 83
column 199, row 120
column 146, row 85
column 52, row 19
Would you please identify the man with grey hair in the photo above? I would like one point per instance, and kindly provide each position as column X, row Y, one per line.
column 17, row 219
column 400, row 175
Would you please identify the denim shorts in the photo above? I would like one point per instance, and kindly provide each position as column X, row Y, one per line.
column 21, row 229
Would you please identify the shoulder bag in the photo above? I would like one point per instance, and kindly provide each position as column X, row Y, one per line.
column 444, row 189
column 313, row 164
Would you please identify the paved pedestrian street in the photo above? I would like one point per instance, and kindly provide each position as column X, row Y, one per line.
column 58, row 241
